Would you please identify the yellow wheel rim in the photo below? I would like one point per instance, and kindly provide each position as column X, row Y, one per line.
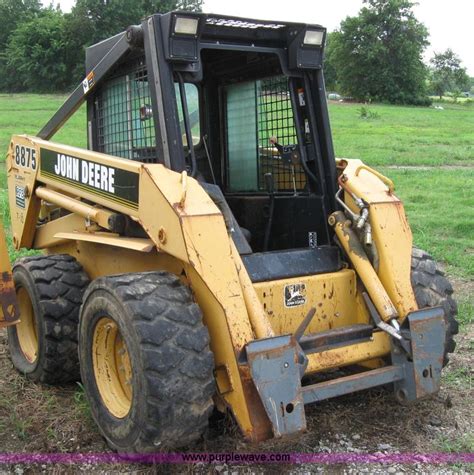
column 112, row 368
column 26, row 329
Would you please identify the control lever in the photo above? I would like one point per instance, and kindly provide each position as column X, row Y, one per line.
column 270, row 186
column 302, row 358
column 304, row 324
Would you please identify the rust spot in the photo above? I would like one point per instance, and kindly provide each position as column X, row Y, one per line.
column 331, row 293
column 10, row 311
column 261, row 425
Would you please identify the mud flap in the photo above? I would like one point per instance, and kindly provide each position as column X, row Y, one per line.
column 9, row 309
column 422, row 369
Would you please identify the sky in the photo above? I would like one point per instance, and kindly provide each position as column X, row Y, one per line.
column 450, row 23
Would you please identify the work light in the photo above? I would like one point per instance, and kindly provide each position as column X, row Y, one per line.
column 186, row 26
column 313, row 38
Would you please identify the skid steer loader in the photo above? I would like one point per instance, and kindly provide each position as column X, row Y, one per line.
column 207, row 251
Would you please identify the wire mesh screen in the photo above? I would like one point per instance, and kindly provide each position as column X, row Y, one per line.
column 277, row 151
column 261, row 136
column 125, row 125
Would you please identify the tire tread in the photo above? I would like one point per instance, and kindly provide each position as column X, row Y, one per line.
column 432, row 288
column 172, row 339
column 60, row 283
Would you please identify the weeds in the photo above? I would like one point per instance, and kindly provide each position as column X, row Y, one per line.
column 458, row 377
column 81, row 403
column 466, row 311
column 463, row 444
column 366, row 113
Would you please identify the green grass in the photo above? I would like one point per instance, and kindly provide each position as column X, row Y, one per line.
column 459, row 377
column 439, row 202
column 440, row 207
column 28, row 113
column 405, row 135
column 462, row 443
column 397, row 136
column 466, row 313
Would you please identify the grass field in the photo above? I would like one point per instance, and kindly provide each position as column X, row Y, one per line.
column 405, row 135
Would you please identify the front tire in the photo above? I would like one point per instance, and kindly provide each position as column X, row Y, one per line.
column 145, row 361
column 433, row 289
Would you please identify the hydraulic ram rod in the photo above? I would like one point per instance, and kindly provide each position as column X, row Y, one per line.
column 362, row 265
column 105, row 219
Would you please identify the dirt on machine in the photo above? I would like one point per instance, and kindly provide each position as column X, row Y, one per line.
column 207, row 251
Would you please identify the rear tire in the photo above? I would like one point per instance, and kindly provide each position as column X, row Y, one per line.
column 432, row 289
column 161, row 396
column 43, row 346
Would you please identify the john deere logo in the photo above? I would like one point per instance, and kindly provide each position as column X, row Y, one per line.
column 295, row 294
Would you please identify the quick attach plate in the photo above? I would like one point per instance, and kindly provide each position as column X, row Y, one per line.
column 275, row 367
column 422, row 369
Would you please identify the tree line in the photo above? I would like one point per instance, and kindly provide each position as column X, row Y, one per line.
column 374, row 56
column 378, row 56
column 42, row 48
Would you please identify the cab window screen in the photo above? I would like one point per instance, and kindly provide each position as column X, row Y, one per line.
column 192, row 98
column 259, row 113
column 126, row 126
column 125, row 120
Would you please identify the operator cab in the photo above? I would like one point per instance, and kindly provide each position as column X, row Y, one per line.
column 240, row 104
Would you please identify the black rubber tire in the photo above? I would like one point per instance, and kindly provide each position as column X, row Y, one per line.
column 55, row 285
column 432, row 288
column 172, row 365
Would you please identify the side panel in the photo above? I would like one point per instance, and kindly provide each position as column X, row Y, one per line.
column 333, row 296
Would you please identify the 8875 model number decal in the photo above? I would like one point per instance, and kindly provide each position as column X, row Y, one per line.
column 25, row 157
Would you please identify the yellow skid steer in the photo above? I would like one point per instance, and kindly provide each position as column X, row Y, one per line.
column 207, row 251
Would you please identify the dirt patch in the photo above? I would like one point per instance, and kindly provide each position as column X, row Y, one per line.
column 35, row 418
column 463, row 288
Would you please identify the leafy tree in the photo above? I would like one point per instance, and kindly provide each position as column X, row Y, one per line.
column 43, row 49
column 91, row 21
column 447, row 74
column 189, row 5
column 378, row 54
column 35, row 54
column 13, row 12
column 330, row 73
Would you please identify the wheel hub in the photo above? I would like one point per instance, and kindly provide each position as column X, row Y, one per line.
column 112, row 367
